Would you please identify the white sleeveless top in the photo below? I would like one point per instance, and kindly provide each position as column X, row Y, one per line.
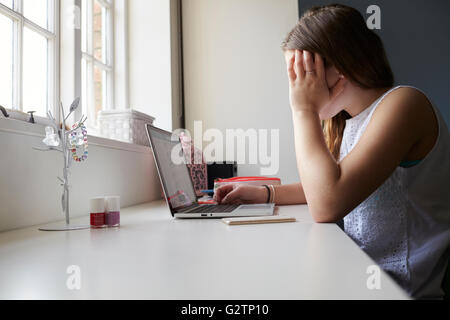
column 405, row 224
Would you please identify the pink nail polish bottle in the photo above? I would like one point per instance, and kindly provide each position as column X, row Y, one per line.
column 112, row 218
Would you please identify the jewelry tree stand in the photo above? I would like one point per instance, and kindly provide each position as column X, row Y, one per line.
column 65, row 143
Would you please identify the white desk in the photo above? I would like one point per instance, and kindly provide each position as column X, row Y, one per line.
column 153, row 256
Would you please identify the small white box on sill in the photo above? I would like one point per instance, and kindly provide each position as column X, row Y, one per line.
column 125, row 125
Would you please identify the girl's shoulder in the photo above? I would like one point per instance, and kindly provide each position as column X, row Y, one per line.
column 408, row 105
column 406, row 98
column 411, row 112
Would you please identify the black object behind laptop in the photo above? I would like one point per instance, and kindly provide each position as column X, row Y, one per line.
column 221, row 171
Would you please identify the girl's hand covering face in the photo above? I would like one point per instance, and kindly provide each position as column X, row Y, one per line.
column 308, row 85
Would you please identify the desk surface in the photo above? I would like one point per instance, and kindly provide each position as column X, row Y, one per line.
column 153, row 256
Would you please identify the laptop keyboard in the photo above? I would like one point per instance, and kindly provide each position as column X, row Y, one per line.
column 215, row 209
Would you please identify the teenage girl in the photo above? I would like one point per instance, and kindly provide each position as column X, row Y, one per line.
column 375, row 155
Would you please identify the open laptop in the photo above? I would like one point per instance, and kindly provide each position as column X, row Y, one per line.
column 178, row 187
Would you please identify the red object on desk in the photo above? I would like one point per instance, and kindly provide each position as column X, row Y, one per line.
column 207, row 202
column 249, row 179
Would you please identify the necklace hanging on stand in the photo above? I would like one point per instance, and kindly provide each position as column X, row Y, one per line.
column 79, row 139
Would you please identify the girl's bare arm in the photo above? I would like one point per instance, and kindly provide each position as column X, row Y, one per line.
column 289, row 194
column 246, row 194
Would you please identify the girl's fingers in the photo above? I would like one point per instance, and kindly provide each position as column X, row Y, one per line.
column 222, row 192
column 290, row 70
column 320, row 66
column 298, row 66
column 231, row 197
column 309, row 63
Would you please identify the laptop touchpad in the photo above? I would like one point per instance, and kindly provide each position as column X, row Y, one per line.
column 254, row 207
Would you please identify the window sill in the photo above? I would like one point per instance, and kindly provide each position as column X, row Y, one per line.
column 14, row 126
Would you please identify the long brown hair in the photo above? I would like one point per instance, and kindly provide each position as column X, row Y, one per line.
column 340, row 35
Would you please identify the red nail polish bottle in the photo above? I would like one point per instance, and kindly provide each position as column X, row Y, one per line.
column 97, row 210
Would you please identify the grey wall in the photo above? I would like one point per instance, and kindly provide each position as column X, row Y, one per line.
column 417, row 40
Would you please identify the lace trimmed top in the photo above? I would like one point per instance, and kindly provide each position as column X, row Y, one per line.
column 405, row 224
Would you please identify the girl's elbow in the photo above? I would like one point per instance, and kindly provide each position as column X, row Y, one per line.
column 325, row 214
column 324, row 220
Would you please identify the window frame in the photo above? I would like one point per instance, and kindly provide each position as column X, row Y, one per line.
column 107, row 66
column 51, row 34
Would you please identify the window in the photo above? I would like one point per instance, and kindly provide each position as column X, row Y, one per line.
column 28, row 55
column 97, row 67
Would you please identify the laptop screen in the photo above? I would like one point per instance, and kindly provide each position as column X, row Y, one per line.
column 175, row 177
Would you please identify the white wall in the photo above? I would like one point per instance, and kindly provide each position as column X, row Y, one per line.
column 235, row 74
column 151, row 72
column 30, row 193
